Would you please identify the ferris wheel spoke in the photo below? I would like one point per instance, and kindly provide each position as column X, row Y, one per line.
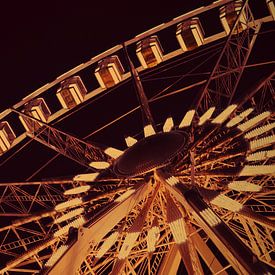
column 238, row 255
column 69, row 146
column 132, row 234
column 180, row 232
column 223, row 201
column 94, row 231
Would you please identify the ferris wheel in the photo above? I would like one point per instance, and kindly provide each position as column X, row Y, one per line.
column 187, row 186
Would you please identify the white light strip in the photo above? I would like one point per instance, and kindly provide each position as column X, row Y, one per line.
column 178, row 230
column 99, row 164
column 235, row 120
column 210, row 217
column 244, row 186
column 224, row 114
column 86, row 177
column 168, row 125
column 271, row 8
column 56, row 255
column 206, row 116
column 253, row 121
column 187, row 120
column 108, row 243
column 227, row 203
column 65, row 229
column 77, row 190
column 67, row 204
column 128, row 244
column 4, row 142
column 99, row 79
column 130, row 141
column 125, row 195
column 172, row 180
column 255, row 170
column 262, row 142
column 141, row 58
column 113, row 152
column 69, row 215
column 262, row 155
column 149, row 130
column 152, row 238
column 260, row 130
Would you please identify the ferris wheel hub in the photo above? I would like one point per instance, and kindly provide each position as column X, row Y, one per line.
column 150, row 153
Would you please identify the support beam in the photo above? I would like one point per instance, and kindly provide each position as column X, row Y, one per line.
column 93, row 233
column 207, row 255
column 171, row 261
column 233, row 249
column 69, row 146
column 234, row 55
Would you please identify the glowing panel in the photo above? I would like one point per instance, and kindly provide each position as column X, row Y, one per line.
column 227, row 203
column 168, row 125
column 65, row 229
column 128, row 244
column 172, row 180
column 178, row 230
column 224, row 114
column 262, row 155
column 187, row 120
column 86, row 177
column 260, row 130
column 262, row 142
column 235, row 120
column 99, row 164
column 113, row 152
column 69, row 215
column 125, row 195
column 244, row 186
column 56, row 255
column 130, row 141
column 67, row 204
column 254, row 170
column 253, row 121
column 149, row 130
column 152, row 238
column 206, row 116
column 77, row 190
column 210, row 217
column 108, row 243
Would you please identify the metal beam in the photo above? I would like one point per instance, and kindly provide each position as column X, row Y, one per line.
column 69, row 146
column 171, row 261
column 92, row 234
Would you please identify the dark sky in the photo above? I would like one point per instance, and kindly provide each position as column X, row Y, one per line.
column 41, row 40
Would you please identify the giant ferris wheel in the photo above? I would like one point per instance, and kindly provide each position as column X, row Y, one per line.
column 176, row 174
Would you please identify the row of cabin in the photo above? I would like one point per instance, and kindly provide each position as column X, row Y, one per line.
column 109, row 71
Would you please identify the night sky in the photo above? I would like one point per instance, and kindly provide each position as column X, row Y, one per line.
column 42, row 39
